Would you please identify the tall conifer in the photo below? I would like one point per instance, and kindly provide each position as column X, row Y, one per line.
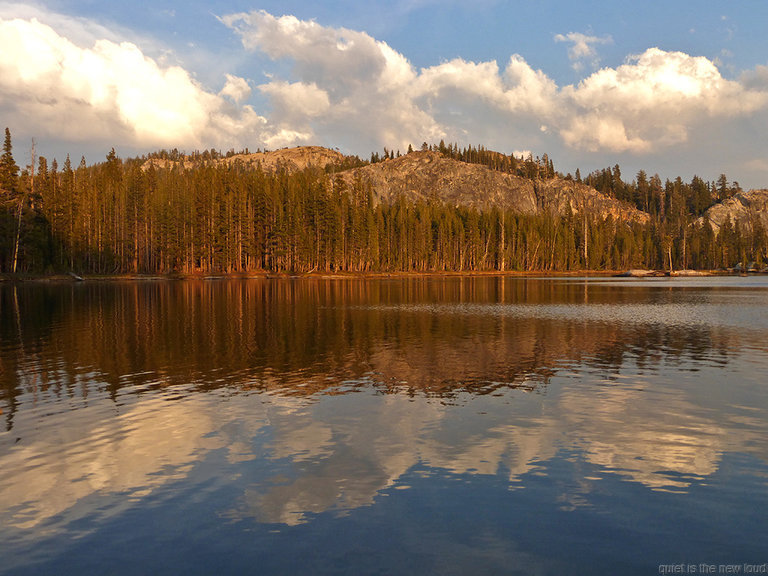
column 9, row 171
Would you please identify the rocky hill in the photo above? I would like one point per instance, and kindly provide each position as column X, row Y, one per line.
column 291, row 159
column 427, row 174
column 746, row 208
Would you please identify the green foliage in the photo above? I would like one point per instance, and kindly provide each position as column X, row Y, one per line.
column 9, row 171
column 192, row 214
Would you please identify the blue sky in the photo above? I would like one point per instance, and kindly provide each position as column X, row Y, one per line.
column 675, row 88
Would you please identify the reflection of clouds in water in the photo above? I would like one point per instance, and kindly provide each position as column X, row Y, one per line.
column 153, row 443
column 660, row 442
column 375, row 442
column 338, row 453
column 298, row 436
column 458, row 370
column 516, row 448
column 378, row 446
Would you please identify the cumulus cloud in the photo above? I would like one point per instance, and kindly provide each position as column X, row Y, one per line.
column 364, row 85
column 520, row 89
column 109, row 91
column 81, row 31
column 294, row 106
column 342, row 87
column 583, row 48
column 351, row 86
column 236, row 88
column 756, row 79
column 297, row 100
column 653, row 100
column 345, row 81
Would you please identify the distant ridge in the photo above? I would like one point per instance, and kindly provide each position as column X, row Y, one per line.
column 429, row 175
column 425, row 175
column 313, row 209
column 291, row 159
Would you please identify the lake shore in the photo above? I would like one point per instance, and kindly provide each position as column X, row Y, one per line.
column 632, row 273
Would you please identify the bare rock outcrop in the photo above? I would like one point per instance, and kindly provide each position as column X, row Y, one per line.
column 746, row 208
column 430, row 175
column 427, row 175
column 559, row 195
column 290, row 159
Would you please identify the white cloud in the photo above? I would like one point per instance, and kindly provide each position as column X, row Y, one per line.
column 109, row 91
column 348, row 82
column 530, row 91
column 283, row 137
column 236, row 88
column 583, row 48
column 347, row 86
column 318, row 52
column 757, row 164
column 78, row 30
column 342, row 87
column 519, row 90
column 297, row 100
column 352, row 87
column 756, row 79
column 653, row 100
column 294, row 106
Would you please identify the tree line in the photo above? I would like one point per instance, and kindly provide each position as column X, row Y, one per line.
column 133, row 216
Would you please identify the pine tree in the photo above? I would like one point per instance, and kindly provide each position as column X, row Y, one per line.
column 11, row 204
column 9, row 171
column 8, row 187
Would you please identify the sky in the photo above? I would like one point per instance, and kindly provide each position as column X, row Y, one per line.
column 673, row 88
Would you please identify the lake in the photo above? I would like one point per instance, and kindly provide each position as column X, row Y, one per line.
column 438, row 425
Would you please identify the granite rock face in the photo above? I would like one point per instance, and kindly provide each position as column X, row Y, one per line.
column 746, row 208
column 290, row 159
column 428, row 175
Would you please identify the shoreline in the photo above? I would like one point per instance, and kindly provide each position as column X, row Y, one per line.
column 632, row 273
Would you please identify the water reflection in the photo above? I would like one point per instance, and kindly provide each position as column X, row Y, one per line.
column 128, row 452
column 316, row 395
column 371, row 445
column 302, row 337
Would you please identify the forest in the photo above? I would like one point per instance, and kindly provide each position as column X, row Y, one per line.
column 202, row 216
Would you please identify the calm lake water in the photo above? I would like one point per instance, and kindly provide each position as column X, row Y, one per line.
column 389, row 426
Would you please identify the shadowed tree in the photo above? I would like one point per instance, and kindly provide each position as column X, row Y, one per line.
column 9, row 203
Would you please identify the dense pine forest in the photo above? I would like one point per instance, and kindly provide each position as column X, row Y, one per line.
column 186, row 214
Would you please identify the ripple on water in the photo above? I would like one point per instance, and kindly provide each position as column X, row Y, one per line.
column 537, row 419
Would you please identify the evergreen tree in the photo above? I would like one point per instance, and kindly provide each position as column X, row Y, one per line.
column 9, row 171
column 11, row 206
column 209, row 216
column 8, row 187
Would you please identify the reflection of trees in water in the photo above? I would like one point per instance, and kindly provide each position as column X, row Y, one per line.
column 25, row 324
column 648, row 345
column 298, row 337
